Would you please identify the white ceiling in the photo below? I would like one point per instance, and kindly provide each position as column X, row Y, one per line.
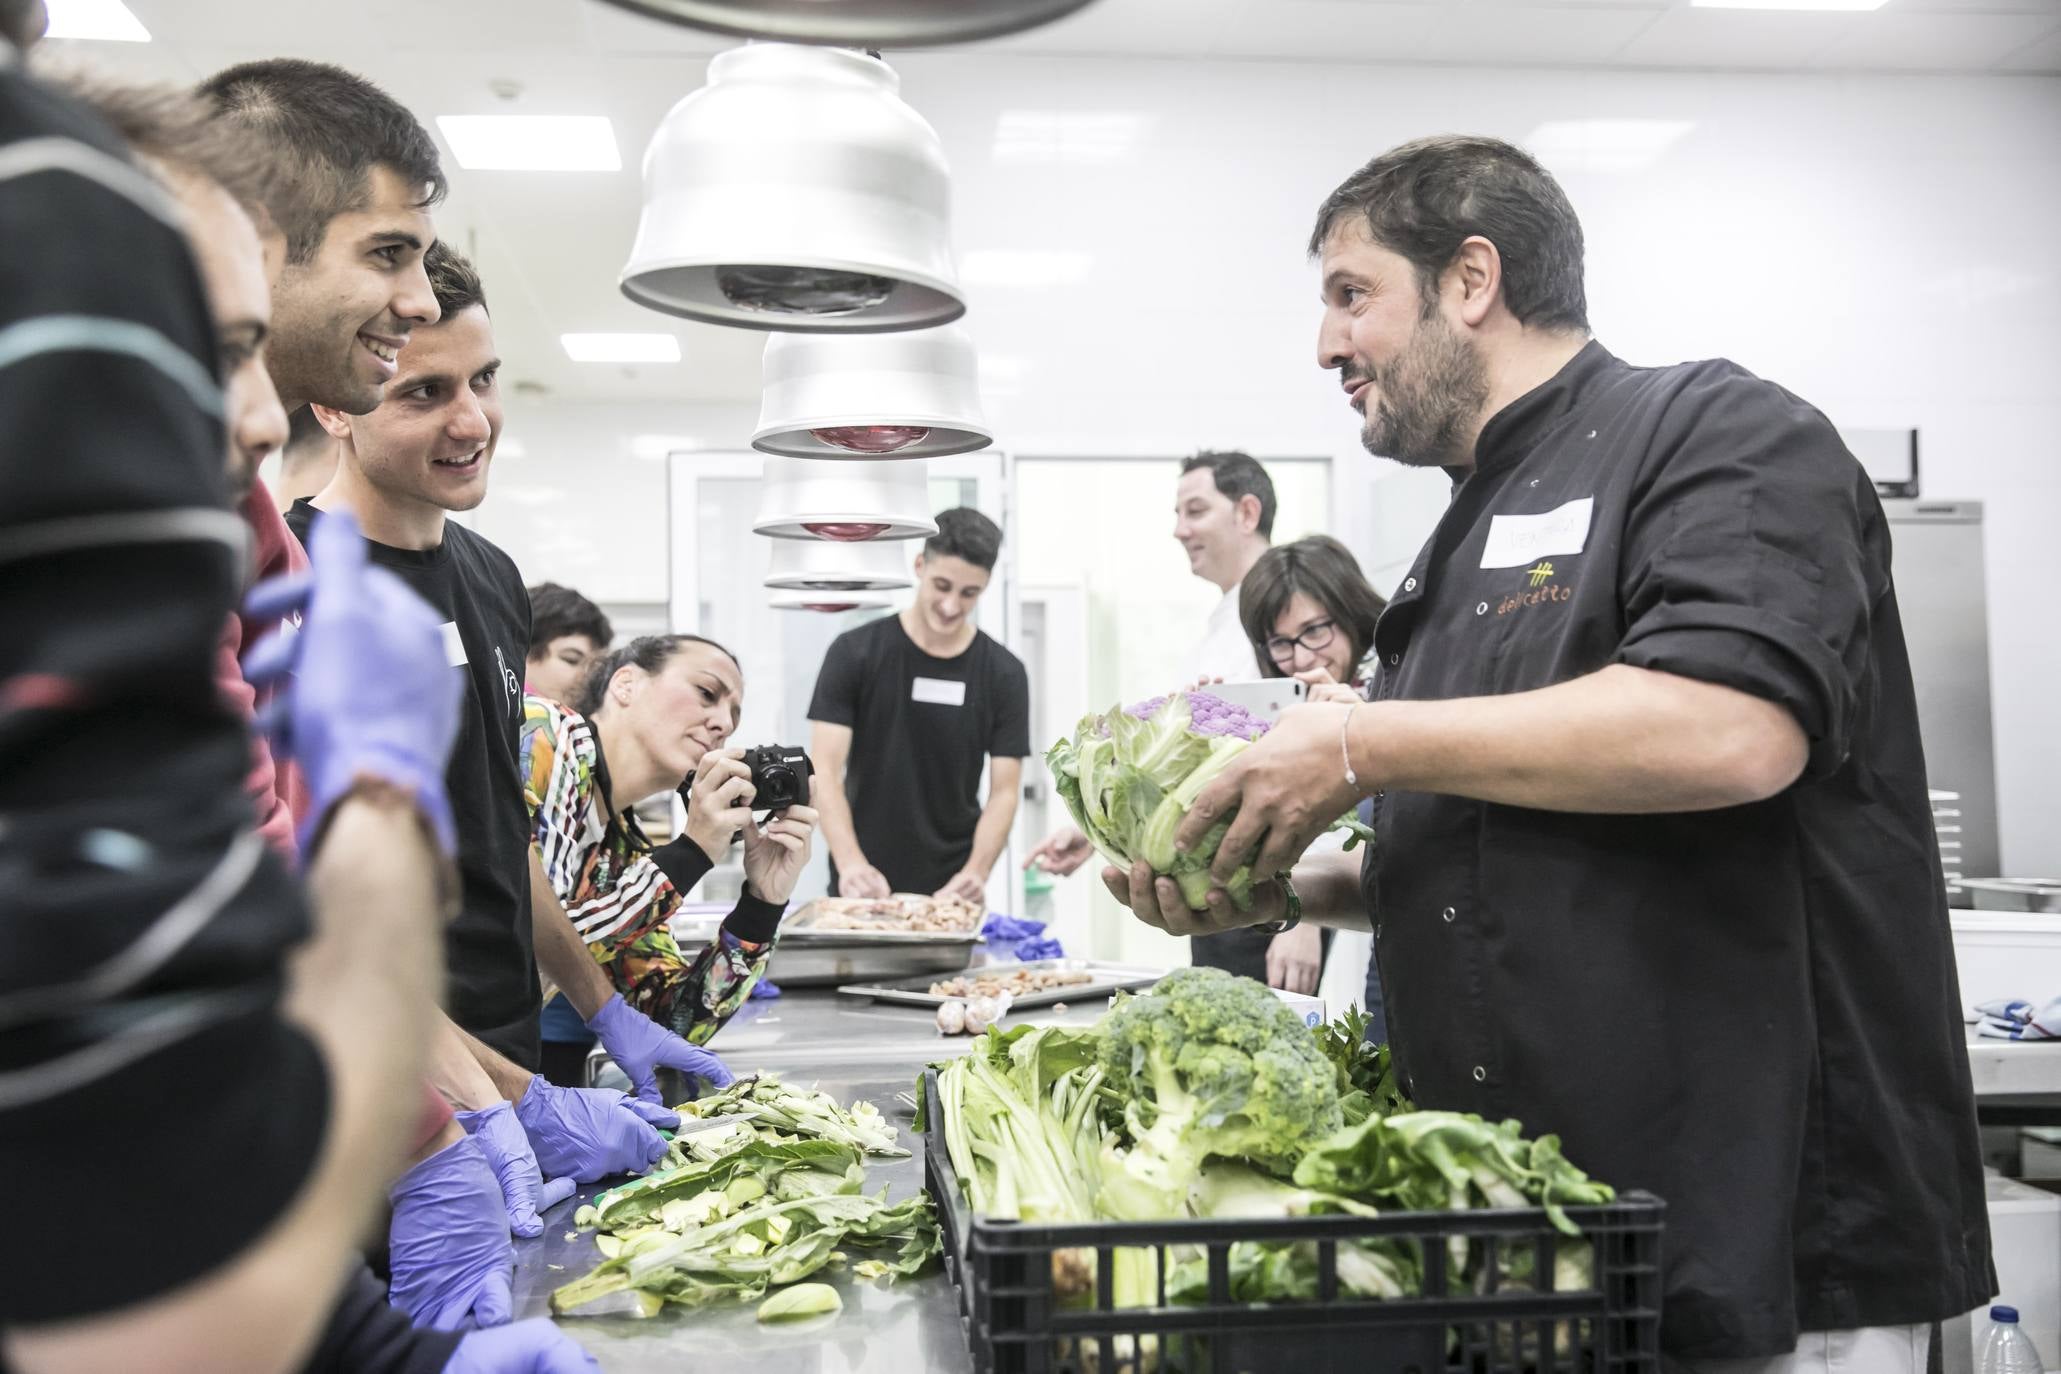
column 550, row 246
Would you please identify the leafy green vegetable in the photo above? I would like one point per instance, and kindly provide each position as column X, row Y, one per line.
column 1129, row 777
column 1366, row 1073
column 767, row 1209
column 1451, row 1161
column 800, row 1301
column 771, row 1105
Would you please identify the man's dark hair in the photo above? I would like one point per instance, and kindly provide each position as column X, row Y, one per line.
column 452, row 280
column 649, row 652
column 556, row 612
column 964, row 533
column 1238, row 475
column 334, row 128
column 1425, row 198
column 1323, row 570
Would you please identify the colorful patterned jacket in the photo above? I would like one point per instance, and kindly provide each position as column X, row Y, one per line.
column 621, row 890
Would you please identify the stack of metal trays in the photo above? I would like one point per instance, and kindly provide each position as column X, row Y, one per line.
column 2014, row 894
column 807, row 957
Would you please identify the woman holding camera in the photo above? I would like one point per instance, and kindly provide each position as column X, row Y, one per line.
column 652, row 714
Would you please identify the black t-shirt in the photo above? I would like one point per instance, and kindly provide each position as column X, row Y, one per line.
column 1752, row 1012
column 489, row 968
column 922, row 728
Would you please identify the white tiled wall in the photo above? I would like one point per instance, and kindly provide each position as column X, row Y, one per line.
column 1880, row 245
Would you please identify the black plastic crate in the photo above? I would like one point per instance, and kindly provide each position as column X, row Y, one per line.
column 1485, row 1321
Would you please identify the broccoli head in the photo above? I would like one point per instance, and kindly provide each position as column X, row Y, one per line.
column 1211, row 1064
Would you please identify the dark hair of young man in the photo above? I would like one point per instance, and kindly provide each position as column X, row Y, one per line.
column 453, row 280
column 1238, row 475
column 334, row 127
column 965, row 533
column 1323, row 570
column 556, row 612
column 1425, row 198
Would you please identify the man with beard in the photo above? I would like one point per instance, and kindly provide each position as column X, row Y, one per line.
column 1655, row 867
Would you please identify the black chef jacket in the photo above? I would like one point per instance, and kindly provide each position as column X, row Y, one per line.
column 1750, row 1012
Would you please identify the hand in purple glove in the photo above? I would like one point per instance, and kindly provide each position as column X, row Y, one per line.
column 639, row 1046
column 371, row 691
column 448, row 1246
column 523, row 1188
column 532, row 1347
column 592, row 1133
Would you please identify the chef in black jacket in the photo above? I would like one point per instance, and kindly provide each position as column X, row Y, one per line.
column 1655, row 866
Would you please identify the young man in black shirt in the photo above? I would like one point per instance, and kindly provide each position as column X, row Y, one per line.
column 906, row 712
column 1655, row 867
column 424, row 452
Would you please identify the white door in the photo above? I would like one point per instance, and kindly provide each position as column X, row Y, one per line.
column 717, row 577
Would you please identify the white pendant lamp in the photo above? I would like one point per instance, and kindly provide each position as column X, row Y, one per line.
column 796, row 191
column 830, row 602
column 860, row 23
column 845, row 500
column 824, row 565
column 910, row 395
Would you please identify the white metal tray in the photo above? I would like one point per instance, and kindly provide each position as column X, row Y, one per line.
column 1103, row 978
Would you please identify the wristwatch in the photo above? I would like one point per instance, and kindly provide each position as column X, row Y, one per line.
column 1294, row 916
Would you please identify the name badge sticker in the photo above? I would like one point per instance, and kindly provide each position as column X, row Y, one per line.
column 454, row 645
column 938, row 691
column 1515, row 540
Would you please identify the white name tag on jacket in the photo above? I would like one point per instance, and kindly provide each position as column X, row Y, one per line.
column 1515, row 540
column 938, row 691
column 454, row 644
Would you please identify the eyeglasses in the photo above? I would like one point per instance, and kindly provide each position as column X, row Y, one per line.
column 1281, row 648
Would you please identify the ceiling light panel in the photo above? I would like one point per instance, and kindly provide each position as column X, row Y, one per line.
column 532, row 143
column 621, row 348
column 108, row 21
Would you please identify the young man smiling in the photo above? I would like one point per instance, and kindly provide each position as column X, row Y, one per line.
column 355, row 216
column 906, row 712
column 402, row 469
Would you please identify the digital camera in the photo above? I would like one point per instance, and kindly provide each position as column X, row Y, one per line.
column 780, row 776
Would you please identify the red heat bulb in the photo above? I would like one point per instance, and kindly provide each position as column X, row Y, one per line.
column 872, row 438
column 846, row 531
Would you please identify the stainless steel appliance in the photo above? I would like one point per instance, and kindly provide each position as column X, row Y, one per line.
column 1940, row 590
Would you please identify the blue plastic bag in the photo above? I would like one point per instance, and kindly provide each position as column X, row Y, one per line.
column 1013, row 938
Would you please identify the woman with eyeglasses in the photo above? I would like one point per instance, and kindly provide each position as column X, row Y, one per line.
column 1310, row 614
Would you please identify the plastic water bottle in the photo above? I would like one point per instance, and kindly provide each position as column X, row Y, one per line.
column 2007, row 1349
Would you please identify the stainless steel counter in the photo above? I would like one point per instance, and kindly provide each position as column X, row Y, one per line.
column 849, row 1049
column 855, row 1049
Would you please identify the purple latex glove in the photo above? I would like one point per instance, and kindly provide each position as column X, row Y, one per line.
column 592, row 1133
column 366, row 686
column 536, row 1346
column 448, row 1246
column 640, row 1046
column 508, row 1153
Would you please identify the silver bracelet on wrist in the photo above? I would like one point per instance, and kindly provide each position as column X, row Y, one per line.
column 1345, row 747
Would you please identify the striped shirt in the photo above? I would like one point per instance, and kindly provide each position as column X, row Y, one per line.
column 621, row 892
column 144, row 925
